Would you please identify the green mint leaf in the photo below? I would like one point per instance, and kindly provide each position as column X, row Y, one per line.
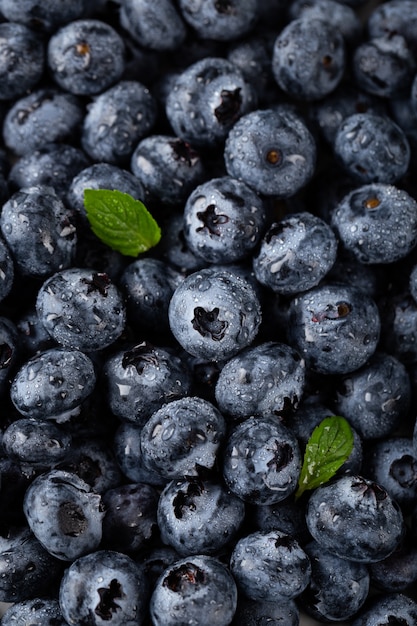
column 120, row 221
column 329, row 446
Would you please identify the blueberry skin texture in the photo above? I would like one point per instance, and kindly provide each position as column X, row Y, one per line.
column 206, row 99
column 308, row 59
column 168, row 168
column 376, row 398
column 398, row 315
column 86, row 57
column 44, row 116
column 261, row 461
column 197, row 589
column 40, row 15
column 129, row 456
column 64, row 514
column 267, row 379
column 22, row 54
column 253, row 613
column 335, row 328
column 153, row 24
column 270, row 566
column 34, row 612
column 287, row 516
column 214, row 314
column 39, row 231
column 105, row 587
column 7, row 271
column 348, row 590
column 398, row 572
column 188, row 505
column 224, row 220
column 117, row 120
column 339, row 15
column 272, row 151
column 220, row 21
column 295, row 254
column 355, row 519
column 81, row 309
column 36, row 442
column 139, row 380
column 183, row 438
column 391, row 608
column 377, row 222
column 372, row 148
column 394, row 18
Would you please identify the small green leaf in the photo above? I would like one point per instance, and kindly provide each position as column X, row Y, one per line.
column 329, row 446
column 120, row 221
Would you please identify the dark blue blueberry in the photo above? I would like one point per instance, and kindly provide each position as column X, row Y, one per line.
column 36, row 442
column 53, row 384
column 129, row 521
column 188, row 506
column 398, row 572
column 206, row 100
column 413, row 95
column 395, row 608
column 262, row 461
column 266, row 379
column 140, row 379
column 295, row 254
column 7, row 271
column 308, row 59
column 174, row 248
column 39, row 230
column 372, row 148
column 81, row 309
column 54, row 165
column 355, row 519
column 384, row 66
column 154, row 24
column 33, row 336
column 413, row 283
column 197, row 589
column 116, row 120
column 376, row 398
column 339, row 15
column 392, row 18
column 64, row 514
column 34, row 612
column 270, row 566
column 86, row 56
column 272, row 151
column 214, row 314
column 287, row 516
column 168, row 168
column 334, row 327
column 9, row 352
column 105, row 587
column 43, row 15
column 22, row 54
column 224, row 220
column 155, row 560
column 44, row 116
column 254, row 613
column 183, row 438
column 344, row 596
column 347, row 268
column 398, row 313
column 220, row 20
column 27, row 570
column 148, row 285
column 129, row 456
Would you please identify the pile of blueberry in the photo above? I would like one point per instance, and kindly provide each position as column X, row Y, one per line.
column 155, row 410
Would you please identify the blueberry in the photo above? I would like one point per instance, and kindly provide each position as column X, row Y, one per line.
column 7, row 269
column 224, row 220
column 334, row 327
column 272, row 151
column 339, row 15
column 129, row 456
column 261, row 461
column 214, row 314
column 45, row 16
column 355, row 519
column 174, row 248
column 22, row 59
column 206, row 100
column 372, row 148
column 197, row 589
column 253, row 612
column 36, row 612
column 295, row 254
column 394, row 18
column 388, row 609
column 270, row 566
column 116, row 120
column 220, row 20
column 103, row 587
column 308, row 59
column 376, row 398
column 266, row 379
column 398, row 313
column 347, row 593
column 81, row 309
column 188, row 505
column 140, row 379
column 9, row 352
column 168, row 168
column 287, row 516
column 153, row 24
column 398, row 572
column 86, row 56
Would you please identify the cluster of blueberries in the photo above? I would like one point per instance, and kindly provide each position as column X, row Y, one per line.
column 156, row 410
